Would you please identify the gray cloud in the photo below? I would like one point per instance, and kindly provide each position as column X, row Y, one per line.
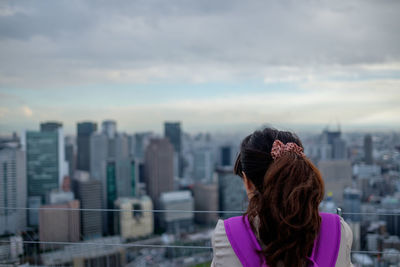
column 57, row 43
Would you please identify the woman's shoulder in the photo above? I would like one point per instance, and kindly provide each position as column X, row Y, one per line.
column 346, row 241
column 222, row 249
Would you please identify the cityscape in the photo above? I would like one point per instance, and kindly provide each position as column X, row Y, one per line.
column 121, row 122
column 104, row 197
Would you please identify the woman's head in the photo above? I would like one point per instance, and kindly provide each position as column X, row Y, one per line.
column 255, row 153
column 287, row 193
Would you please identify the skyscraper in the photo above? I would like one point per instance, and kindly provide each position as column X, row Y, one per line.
column 111, row 164
column 337, row 146
column 337, row 175
column 352, row 204
column 85, row 130
column 99, row 155
column 159, row 168
column 109, row 127
column 89, row 193
column 50, row 126
column 172, row 131
column 203, row 164
column 46, row 165
column 339, row 149
column 232, row 195
column 12, row 190
column 226, row 155
column 70, row 155
column 368, row 150
column 141, row 140
column 206, row 198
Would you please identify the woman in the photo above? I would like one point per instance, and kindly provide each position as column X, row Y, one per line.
column 282, row 225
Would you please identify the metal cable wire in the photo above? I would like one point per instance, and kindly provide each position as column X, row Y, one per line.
column 111, row 244
column 165, row 246
column 124, row 210
column 178, row 211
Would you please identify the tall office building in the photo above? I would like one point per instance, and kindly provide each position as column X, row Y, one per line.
column 226, row 155
column 89, row 193
column 45, row 163
column 70, row 155
column 109, row 128
column 85, row 130
column 110, row 163
column 50, row 126
column 99, row 154
column 337, row 146
column 339, row 149
column 368, row 148
column 337, row 175
column 232, row 194
column 141, row 140
column 203, row 164
column 172, row 131
column 352, row 204
column 12, row 190
column 159, row 176
column 206, row 198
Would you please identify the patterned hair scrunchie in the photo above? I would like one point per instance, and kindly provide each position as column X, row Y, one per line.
column 279, row 148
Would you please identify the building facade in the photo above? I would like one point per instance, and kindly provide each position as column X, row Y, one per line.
column 159, row 176
column 111, row 163
column 173, row 132
column 89, row 193
column 368, row 149
column 13, row 192
column 136, row 218
column 232, row 194
column 58, row 224
column 45, row 166
column 85, row 130
column 337, row 175
column 177, row 222
column 206, row 199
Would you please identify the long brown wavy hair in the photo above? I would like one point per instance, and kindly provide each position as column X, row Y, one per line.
column 284, row 207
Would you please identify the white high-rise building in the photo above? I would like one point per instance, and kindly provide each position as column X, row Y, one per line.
column 203, row 164
column 12, row 190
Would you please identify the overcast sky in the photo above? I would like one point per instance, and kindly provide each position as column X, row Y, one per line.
column 214, row 65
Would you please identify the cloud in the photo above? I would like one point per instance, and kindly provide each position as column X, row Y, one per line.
column 151, row 41
column 3, row 111
column 285, row 61
column 27, row 112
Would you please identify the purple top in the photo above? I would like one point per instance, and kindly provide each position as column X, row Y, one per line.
column 245, row 245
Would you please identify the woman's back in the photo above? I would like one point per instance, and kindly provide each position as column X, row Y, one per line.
column 224, row 254
column 284, row 190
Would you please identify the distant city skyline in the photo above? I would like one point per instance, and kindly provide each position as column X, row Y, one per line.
column 225, row 66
